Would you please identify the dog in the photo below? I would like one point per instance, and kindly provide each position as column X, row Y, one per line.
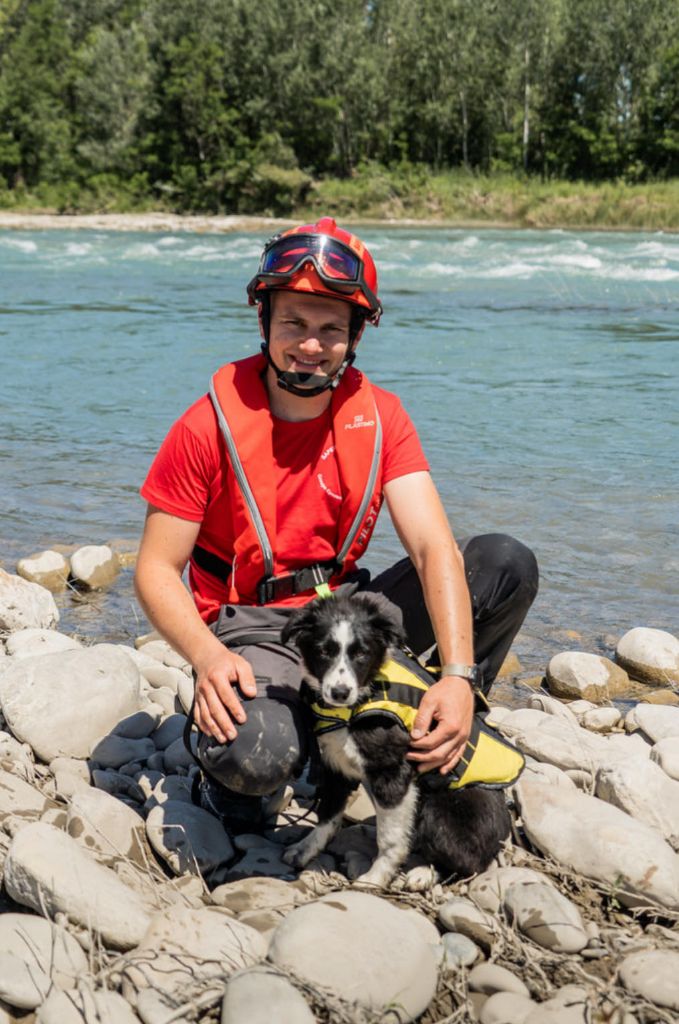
column 343, row 642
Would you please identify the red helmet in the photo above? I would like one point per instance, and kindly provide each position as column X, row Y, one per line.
column 322, row 259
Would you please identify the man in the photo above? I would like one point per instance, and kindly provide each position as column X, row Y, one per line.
column 270, row 488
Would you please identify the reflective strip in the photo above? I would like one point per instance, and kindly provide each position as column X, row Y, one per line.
column 243, row 483
column 355, row 527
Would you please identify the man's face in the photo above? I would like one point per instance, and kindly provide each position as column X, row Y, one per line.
column 308, row 334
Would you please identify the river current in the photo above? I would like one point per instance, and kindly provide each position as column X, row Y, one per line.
column 541, row 369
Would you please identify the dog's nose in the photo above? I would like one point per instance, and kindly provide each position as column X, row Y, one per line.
column 339, row 692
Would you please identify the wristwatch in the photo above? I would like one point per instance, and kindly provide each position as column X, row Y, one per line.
column 472, row 673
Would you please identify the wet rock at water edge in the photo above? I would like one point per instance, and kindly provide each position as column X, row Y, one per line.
column 373, row 953
column 649, row 655
column 62, row 704
column 94, row 566
column 578, row 675
column 25, row 605
column 50, row 569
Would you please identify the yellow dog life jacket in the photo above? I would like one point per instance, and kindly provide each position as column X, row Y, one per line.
column 397, row 690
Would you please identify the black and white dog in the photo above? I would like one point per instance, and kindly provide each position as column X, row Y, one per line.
column 343, row 642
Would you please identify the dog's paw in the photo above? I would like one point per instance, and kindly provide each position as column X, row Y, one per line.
column 374, row 879
column 421, row 878
column 297, row 856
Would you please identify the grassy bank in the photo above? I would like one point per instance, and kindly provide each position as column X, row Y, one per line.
column 505, row 200
column 411, row 192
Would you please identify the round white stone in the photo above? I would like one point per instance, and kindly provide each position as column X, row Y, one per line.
column 579, row 675
column 103, row 824
column 371, row 953
column 653, row 974
column 458, row 950
column 657, row 721
column 250, row 997
column 506, row 1008
column 650, row 655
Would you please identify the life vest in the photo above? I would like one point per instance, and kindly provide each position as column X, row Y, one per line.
column 396, row 693
column 241, row 403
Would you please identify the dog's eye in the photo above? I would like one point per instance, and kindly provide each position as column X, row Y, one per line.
column 356, row 653
column 331, row 648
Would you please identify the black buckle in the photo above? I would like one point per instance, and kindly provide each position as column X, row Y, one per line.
column 277, row 588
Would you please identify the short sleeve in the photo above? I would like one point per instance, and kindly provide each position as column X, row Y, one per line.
column 403, row 452
column 180, row 476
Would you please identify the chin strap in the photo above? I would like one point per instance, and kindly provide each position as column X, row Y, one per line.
column 290, row 381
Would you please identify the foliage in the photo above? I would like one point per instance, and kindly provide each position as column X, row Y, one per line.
column 226, row 105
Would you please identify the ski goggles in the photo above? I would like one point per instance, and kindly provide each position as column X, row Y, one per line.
column 338, row 266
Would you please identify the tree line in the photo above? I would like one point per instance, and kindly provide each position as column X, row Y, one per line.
column 238, row 106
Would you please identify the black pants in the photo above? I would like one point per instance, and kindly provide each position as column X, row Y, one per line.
column 272, row 745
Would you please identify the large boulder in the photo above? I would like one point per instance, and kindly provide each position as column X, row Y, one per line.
column 49, row 872
column 649, row 655
column 601, row 842
column 50, row 569
column 373, row 953
column 24, row 604
column 577, row 675
column 61, row 704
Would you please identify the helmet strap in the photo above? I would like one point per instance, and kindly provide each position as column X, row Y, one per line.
column 290, row 381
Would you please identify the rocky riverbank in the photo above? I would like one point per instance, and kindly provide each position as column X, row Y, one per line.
column 125, row 903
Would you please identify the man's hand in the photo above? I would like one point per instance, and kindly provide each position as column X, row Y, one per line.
column 218, row 704
column 447, row 710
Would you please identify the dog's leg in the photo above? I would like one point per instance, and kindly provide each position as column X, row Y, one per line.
column 334, row 796
column 395, row 826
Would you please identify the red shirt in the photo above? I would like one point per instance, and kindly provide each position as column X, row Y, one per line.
column 186, row 480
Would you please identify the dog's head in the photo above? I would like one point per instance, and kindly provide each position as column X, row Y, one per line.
column 343, row 641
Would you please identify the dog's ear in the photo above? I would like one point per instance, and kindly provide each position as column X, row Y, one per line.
column 385, row 618
column 299, row 622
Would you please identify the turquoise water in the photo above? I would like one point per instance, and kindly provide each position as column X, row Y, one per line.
column 541, row 368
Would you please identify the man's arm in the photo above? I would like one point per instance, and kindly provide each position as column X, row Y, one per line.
column 165, row 549
column 422, row 526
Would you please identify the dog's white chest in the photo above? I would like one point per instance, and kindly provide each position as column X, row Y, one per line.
column 341, row 753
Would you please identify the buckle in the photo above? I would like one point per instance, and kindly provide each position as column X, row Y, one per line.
column 277, row 588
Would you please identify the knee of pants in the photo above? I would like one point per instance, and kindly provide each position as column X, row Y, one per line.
column 513, row 563
column 270, row 748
